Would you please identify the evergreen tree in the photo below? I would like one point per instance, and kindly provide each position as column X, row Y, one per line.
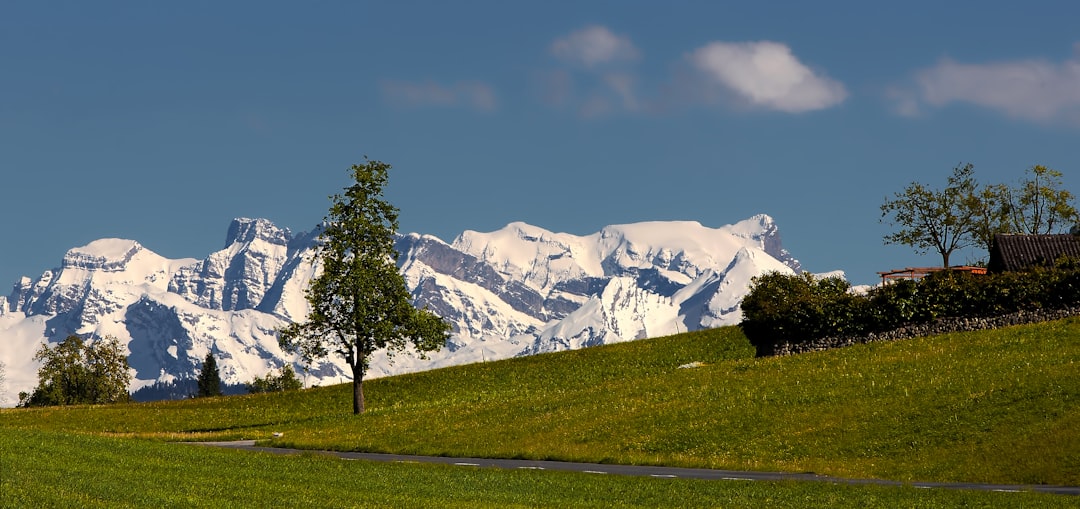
column 209, row 378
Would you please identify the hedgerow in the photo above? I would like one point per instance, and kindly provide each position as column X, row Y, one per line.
column 799, row 308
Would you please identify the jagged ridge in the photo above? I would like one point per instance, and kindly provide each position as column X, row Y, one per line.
column 515, row 291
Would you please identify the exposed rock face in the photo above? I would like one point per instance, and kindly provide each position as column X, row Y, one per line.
column 566, row 291
column 238, row 276
column 516, row 291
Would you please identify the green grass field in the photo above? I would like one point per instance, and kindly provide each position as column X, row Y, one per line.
column 63, row 470
column 996, row 406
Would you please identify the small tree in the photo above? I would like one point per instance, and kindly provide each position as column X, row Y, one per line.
column 940, row 220
column 75, row 372
column 1040, row 205
column 359, row 303
column 209, row 378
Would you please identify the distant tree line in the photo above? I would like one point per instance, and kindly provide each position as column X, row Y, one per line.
column 77, row 372
column 208, row 383
column 181, row 388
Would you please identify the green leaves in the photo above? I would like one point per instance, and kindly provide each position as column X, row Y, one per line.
column 75, row 372
column 939, row 220
column 964, row 214
column 285, row 380
column 1039, row 205
column 800, row 309
column 359, row 302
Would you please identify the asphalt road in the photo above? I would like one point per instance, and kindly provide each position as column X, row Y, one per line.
column 643, row 471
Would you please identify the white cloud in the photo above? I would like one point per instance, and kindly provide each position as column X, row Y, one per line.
column 1035, row 90
column 471, row 94
column 766, row 74
column 593, row 46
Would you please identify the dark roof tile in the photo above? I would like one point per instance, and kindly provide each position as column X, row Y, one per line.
column 1020, row 252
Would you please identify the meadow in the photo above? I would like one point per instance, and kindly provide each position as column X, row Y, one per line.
column 996, row 406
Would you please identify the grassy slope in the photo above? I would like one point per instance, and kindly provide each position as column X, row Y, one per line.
column 995, row 406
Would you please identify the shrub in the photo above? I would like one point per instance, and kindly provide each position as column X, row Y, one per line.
column 786, row 308
column 800, row 308
column 285, row 380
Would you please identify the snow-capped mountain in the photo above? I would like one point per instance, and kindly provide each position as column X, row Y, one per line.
column 516, row 291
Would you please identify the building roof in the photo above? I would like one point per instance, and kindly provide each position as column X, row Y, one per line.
column 1011, row 252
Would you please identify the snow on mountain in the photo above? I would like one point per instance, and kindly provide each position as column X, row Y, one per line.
column 238, row 276
column 516, row 291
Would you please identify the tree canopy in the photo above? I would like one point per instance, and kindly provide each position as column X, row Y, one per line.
column 1039, row 205
column 931, row 219
column 76, row 372
column 359, row 302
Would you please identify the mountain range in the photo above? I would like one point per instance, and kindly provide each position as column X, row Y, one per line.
column 516, row 291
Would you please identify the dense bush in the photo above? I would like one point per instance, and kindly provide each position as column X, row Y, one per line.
column 285, row 380
column 801, row 308
column 75, row 372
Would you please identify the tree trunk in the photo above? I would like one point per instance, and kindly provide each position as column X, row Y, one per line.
column 945, row 259
column 358, row 392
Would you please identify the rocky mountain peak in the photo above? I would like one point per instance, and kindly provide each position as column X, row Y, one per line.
column 514, row 291
column 245, row 230
column 103, row 254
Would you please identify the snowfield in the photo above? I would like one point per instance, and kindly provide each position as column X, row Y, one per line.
column 516, row 291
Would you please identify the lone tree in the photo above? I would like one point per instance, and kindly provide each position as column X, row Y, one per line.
column 75, row 372
column 359, row 302
column 209, row 378
column 941, row 220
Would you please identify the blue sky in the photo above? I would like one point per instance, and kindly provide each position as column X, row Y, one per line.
column 161, row 122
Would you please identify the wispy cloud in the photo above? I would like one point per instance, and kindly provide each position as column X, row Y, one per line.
column 764, row 74
column 594, row 46
column 596, row 75
column 469, row 94
column 1035, row 90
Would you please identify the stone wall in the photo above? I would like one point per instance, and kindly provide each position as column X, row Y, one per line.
column 942, row 326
